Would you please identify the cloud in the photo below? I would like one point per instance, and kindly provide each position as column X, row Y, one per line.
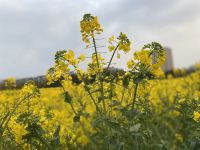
column 33, row 30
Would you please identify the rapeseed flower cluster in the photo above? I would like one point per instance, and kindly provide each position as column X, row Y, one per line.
column 89, row 27
column 196, row 116
column 122, row 43
column 63, row 60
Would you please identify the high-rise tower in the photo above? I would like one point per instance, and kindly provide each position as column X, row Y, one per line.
column 168, row 65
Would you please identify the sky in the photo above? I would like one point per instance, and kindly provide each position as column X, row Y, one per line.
column 31, row 31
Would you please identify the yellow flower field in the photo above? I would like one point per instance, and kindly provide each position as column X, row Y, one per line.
column 54, row 112
column 140, row 108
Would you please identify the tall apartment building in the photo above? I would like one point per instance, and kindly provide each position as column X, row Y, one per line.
column 168, row 65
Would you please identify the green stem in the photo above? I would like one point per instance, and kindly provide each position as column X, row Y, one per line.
column 15, row 108
column 73, row 109
column 101, row 82
column 84, row 130
column 88, row 90
column 134, row 97
column 44, row 141
column 90, row 94
column 123, row 92
column 102, row 96
column 112, row 56
column 96, row 53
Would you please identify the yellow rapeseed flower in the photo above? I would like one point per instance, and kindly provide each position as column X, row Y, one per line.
column 196, row 116
column 179, row 137
column 111, row 39
column 82, row 57
column 130, row 64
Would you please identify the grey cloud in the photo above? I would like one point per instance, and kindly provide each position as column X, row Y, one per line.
column 31, row 31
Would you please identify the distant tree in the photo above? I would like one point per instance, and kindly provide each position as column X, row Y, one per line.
column 10, row 83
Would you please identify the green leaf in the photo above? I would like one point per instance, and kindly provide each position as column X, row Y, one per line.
column 55, row 141
column 114, row 125
column 135, row 128
column 68, row 98
column 76, row 118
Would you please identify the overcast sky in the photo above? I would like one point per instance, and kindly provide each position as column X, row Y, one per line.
column 31, row 31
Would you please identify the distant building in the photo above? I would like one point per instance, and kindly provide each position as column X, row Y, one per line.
column 168, row 65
